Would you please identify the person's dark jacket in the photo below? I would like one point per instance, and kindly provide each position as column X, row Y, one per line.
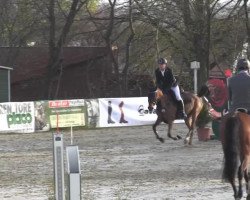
column 239, row 91
column 167, row 81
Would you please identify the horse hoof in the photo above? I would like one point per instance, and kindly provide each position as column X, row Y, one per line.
column 161, row 140
column 179, row 137
column 186, row 140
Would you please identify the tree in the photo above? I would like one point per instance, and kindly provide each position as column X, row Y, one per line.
column 56, row 43
column 110, row 35
column 18, row 22
column 140, row 30
column 187, row 24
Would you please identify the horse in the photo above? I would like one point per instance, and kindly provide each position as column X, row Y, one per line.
column 193, row 105
column 235, row 139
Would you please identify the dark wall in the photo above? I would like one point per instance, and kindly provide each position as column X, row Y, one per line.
column 4, row 85
column 83, row 80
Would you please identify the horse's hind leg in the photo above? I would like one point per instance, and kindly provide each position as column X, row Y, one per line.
column 232, row 182
column 192, row 126
column 240, row 177
column 188, row 122
column 246, row 176
column 158, row 121
column 191, row 137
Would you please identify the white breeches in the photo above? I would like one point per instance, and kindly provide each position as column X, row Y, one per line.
column 177, row 93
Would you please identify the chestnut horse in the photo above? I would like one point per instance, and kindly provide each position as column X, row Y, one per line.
column 167, row 113
column 235, row 138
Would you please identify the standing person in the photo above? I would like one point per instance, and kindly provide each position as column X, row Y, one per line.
column 165, row 80
column 110, row 121
column 122, row 120
column 239, row 87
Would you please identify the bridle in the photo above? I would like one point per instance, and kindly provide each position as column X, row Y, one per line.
column 151, row 96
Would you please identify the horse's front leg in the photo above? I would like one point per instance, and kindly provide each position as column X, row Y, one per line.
column 170, row 125
column 158, row 121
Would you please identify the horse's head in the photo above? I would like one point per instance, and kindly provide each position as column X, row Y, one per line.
column 153, row 98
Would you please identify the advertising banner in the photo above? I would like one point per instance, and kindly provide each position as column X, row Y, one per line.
column 67, row 113
column 125, row 112
column 41, row 116
column 93, row 114
column 17, row 117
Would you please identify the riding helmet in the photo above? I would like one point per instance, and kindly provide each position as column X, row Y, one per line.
column 162, row 61
column 243, row 64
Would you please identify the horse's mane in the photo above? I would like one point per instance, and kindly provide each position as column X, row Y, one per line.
column 204, row 91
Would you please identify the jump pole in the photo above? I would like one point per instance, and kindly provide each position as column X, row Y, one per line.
column 58, row 163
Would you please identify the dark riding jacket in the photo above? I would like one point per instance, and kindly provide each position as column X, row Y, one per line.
column 167, row 81
column 239, row 91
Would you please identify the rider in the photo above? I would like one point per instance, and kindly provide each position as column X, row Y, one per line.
column 165, row 80
column 239, row 87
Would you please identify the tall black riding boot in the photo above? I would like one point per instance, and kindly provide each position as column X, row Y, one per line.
column 181, row 112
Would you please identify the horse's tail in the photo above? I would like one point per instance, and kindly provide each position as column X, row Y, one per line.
column 231, row 148
column 204, row 91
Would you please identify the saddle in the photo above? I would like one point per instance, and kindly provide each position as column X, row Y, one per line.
column 174, row 101
column 186, row 98
column 172, row 95
column 244, row 110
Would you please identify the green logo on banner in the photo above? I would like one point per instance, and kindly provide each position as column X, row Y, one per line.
column 14, row 119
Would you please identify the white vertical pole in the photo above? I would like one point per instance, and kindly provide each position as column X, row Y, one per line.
column 195, row 81
column 58, row 166
column 195, row 66
column 71, row 135
column 9, row 88
column 58, row 163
